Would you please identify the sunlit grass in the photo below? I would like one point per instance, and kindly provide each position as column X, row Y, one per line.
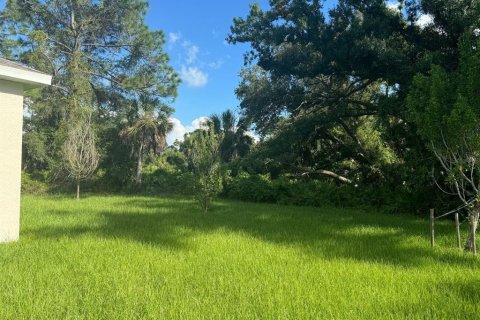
column 162, row 258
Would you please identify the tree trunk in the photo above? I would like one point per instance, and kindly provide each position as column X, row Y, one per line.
column 78, row 190
column 473, row 217
column 235, row 154
column 138, row 178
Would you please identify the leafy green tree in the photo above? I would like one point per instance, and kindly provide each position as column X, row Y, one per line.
column 315, row 85
column 147, row 132
column 101, row 54
column 446, row 107
column 204, row 157
column 235, row 140
column 315, row 79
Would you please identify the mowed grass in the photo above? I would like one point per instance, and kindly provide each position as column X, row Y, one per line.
column 116, row 257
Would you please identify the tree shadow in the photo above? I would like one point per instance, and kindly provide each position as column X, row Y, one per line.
column 463, row 292
column 323, row 233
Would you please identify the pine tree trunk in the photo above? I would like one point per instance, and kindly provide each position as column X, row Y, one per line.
column 138, row 178
column 78, row 190
column 473, row 217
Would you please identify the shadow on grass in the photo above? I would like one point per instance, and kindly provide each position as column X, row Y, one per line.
column 464, row 292
column 319, row 233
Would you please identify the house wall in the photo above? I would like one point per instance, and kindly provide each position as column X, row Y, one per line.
column 11, row 116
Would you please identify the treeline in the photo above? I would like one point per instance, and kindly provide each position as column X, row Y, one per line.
column 112, row 86
column 345, row 103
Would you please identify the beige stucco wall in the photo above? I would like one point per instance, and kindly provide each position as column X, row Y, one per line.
column 11, row 115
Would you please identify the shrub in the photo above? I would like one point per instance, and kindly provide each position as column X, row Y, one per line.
column 285, row 190
column 246, row 187
column 204, row 159
column 168, row 174
column 33, row 185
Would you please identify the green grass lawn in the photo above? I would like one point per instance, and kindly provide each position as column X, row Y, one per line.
column 161, row 258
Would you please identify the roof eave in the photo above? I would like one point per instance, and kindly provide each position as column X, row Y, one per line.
column 30, row 79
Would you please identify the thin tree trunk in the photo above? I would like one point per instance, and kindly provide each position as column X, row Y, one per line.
column 78, row 190
column 235, row 154
column 473, row 216
column 138, row 178
column 457, row 229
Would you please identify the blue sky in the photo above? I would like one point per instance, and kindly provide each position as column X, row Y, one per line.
column 207, row 64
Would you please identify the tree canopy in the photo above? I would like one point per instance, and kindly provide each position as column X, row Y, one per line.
column 316, row 78
column 103, row 57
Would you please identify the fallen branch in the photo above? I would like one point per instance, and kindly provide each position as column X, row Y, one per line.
column 330, row 174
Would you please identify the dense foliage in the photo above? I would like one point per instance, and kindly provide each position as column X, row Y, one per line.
column 114, row 67
column 203, row 150
column 448, row 107
column 329, row 92
column 330, row 95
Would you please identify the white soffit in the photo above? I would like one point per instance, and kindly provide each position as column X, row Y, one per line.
column 12, row 71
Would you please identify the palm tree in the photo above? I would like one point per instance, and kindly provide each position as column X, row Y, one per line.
column 236, row 142
column 148, row 132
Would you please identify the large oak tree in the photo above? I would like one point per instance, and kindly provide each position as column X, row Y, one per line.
column 316, row 79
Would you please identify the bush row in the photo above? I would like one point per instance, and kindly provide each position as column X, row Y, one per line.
column 261, row 188
column 167, row 179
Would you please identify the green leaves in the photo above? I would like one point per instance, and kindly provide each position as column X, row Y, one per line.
column 38, row 36
column 234, row 140
column 445, row 108
column 103, row 57
column 204, row 158
column 445, row 104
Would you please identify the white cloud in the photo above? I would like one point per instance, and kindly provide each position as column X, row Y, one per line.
column 190, row 64
column 179, row 130
column 254, row 136
column 198, row 123
column 193, row 76
column 174, row 37
column 216, row 64
column 192, row 52
column 424, row 20
column 393, row 5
